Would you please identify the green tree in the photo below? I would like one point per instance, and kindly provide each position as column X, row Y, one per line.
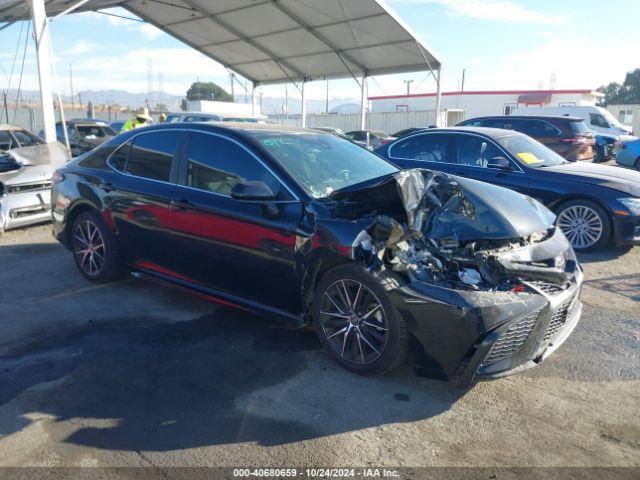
column 627, row 93
column 610, row 91
column 208, row 91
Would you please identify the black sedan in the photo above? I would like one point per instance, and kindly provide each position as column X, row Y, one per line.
column 595, row 204
column 306, row 227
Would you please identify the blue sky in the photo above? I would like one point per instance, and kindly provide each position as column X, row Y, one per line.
column 503, row 44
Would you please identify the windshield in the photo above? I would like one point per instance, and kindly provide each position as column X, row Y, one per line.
column 323, row 163
column 530, row 152
column 610, row 118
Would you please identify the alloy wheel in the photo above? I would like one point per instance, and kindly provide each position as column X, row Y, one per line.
column 89, row 248
column 354, row 321
column 582, row 226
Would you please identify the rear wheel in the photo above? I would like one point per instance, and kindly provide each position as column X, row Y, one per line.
column 585, row 224
column 94, row 248
column 356, row 322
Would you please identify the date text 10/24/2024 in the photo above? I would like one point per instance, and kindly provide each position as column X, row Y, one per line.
column 316, row 473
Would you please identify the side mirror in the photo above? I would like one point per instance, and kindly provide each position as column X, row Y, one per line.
column 499, row 163
column 252, row 191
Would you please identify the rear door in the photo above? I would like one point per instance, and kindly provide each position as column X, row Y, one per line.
column 240, row 248
column 471, row 156
column 138, row 195
column 544, row 132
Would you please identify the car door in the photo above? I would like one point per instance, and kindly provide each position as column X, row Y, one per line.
column 240, row 248
column 137, row 195
column 424, row 150
column 471, row 158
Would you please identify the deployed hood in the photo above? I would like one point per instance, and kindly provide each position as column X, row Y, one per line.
column 53, row 154
column 616, row 178
column 35, row 163
column 445, row 207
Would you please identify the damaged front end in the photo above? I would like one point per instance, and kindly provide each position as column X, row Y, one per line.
column 25, row 183
column 484, row 280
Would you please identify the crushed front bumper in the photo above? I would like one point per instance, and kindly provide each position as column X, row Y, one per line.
column 26, row 208
column 467, row 336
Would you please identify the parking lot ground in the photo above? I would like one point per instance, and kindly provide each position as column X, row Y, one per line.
column 132, row 374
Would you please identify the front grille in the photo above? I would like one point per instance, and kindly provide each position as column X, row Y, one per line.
column 28, row 187
column 512, row 340
column 548, row 288
column 558, row 319
column 29, row 211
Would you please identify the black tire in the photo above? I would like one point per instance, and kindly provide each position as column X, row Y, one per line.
column 599, row 156
column 605, row 220
column 385, row 322
column 637, row 165
column 99, row 264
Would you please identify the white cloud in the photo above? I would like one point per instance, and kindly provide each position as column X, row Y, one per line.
column 149, row 31
column 498, row 10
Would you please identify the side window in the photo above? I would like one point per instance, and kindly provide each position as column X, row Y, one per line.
column 217, row 164
column 538, row 128
column 428, row 147
column 475, row 151
column 98, row 158
column 152, row 154
column 119, row 158
column 6, row 142
column 598, row 120
column 24, row 139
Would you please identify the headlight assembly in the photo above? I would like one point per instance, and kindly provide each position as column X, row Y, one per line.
column 632, row 203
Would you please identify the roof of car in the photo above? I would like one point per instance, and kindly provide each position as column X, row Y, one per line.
column 5, row 126
column 488, row 131
column 528, row 117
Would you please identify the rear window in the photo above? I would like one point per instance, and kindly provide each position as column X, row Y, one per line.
column 579, row 127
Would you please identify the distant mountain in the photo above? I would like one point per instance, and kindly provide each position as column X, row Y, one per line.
column 270, row 105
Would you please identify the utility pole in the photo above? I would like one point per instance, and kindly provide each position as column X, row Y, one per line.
column 73, row 101
column 464, row 72
column 286, row 102
column 408, row 83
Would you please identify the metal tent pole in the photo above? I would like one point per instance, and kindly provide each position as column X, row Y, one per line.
column 43, row 49
column 363, row 102
column 253, row 98
column 438, row 98
column 304, row 106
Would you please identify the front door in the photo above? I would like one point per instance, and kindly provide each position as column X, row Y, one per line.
column 240, row 248
column 471, row 156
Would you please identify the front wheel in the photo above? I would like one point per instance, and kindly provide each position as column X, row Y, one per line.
column 585, row 224
column 357, row 323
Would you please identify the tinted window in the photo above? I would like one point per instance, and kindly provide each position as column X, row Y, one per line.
column 25, row 139
column 529, row 151
column 119, row 158
column 598, row 120
column 97, row 158
column 431, row 147
column 6, row 142
column 579, row 127
column 196, row 118
column 152, row 154
column 94, row 131
column 475, row 151
column 217, row 164
column 538, row 128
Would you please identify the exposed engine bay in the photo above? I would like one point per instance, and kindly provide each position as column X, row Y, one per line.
column 446, row 231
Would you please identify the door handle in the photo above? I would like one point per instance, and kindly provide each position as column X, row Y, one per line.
column 182, row 204
column 107, row 187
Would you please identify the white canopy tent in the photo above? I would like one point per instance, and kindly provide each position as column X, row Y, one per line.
column 265, row 41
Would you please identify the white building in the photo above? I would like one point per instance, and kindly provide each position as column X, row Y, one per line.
column 458, row 106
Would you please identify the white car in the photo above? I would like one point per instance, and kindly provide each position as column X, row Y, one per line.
column 597, row 119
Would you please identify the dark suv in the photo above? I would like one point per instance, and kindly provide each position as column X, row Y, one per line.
column 569, row 137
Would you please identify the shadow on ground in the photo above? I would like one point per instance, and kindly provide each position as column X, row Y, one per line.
column 221, row 378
